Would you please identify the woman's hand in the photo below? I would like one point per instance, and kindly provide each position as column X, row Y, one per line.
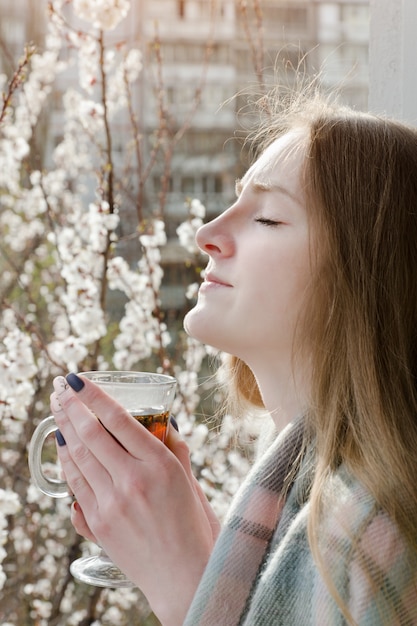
column 136, row 497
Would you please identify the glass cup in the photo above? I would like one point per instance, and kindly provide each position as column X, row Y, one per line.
column 148, row 397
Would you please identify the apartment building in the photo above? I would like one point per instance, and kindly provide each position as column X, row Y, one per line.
column 342, row 54
column 213, row 55
column 208, row 60
column 227, row 48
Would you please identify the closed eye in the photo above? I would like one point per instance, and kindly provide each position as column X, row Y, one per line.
column 267, row 222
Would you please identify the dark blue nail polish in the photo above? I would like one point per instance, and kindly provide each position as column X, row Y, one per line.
column 75, row 382
column 60, row 438
column 174, row 423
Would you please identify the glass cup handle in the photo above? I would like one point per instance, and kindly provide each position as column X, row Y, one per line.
column 50, row 486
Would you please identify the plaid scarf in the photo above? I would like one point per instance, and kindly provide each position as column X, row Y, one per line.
column 262, row 572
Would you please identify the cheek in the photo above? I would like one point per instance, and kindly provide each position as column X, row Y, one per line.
column 285, row 283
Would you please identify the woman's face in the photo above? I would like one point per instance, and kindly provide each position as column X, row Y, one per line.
column 259, row 261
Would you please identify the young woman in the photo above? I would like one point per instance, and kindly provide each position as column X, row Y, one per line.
column 311, row 285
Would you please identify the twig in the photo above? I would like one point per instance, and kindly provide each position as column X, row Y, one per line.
column 17, row 79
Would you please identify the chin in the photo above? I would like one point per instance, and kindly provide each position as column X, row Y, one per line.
column 199, row 327
column 194, row 326
column 186, row 324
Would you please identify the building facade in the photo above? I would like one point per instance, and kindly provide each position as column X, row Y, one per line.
column 224, row 53
column 213, row 56
column 204, row 63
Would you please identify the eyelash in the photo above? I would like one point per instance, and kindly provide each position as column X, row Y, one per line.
column 266, row 221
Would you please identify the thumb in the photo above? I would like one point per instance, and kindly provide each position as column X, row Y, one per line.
column 79, row 522
column 177, row 445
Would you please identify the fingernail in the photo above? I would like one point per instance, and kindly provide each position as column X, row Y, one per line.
column 60, row 438
column 55, row 404
column 174, row 423
column 60, row 384
column 75, row 382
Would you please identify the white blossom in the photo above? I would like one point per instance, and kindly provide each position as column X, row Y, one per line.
column 103, row 14
column 192, row 291
column 17, row 368
column 197, row 208
column 67, row 272
column 9, row 505
column 186, row 234
column 69, row 352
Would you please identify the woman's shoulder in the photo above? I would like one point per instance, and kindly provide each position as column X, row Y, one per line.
column 362, row 545
column 352, row 517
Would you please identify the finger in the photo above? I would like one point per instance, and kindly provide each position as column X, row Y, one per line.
column 83, row 472
column 132, row 435
column 75, row 479
column 89, row 442
column 210, row 514
column 178, row 446
column 79, row 522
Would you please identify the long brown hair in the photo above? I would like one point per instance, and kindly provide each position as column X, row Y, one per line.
column 360, row 326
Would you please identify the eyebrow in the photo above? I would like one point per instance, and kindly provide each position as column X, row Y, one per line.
column 263, row 185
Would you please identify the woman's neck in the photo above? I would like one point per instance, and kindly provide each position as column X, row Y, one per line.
column 285, row 394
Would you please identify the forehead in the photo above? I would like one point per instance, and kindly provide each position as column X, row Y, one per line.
column 281, row 161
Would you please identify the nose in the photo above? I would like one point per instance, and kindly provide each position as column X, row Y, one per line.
column 214, row 239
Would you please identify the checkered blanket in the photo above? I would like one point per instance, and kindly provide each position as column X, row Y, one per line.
column 262, row 572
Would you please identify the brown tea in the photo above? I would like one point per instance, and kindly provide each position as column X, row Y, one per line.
column 153, row 420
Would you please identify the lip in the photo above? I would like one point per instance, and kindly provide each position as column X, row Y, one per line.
column 211, row 279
